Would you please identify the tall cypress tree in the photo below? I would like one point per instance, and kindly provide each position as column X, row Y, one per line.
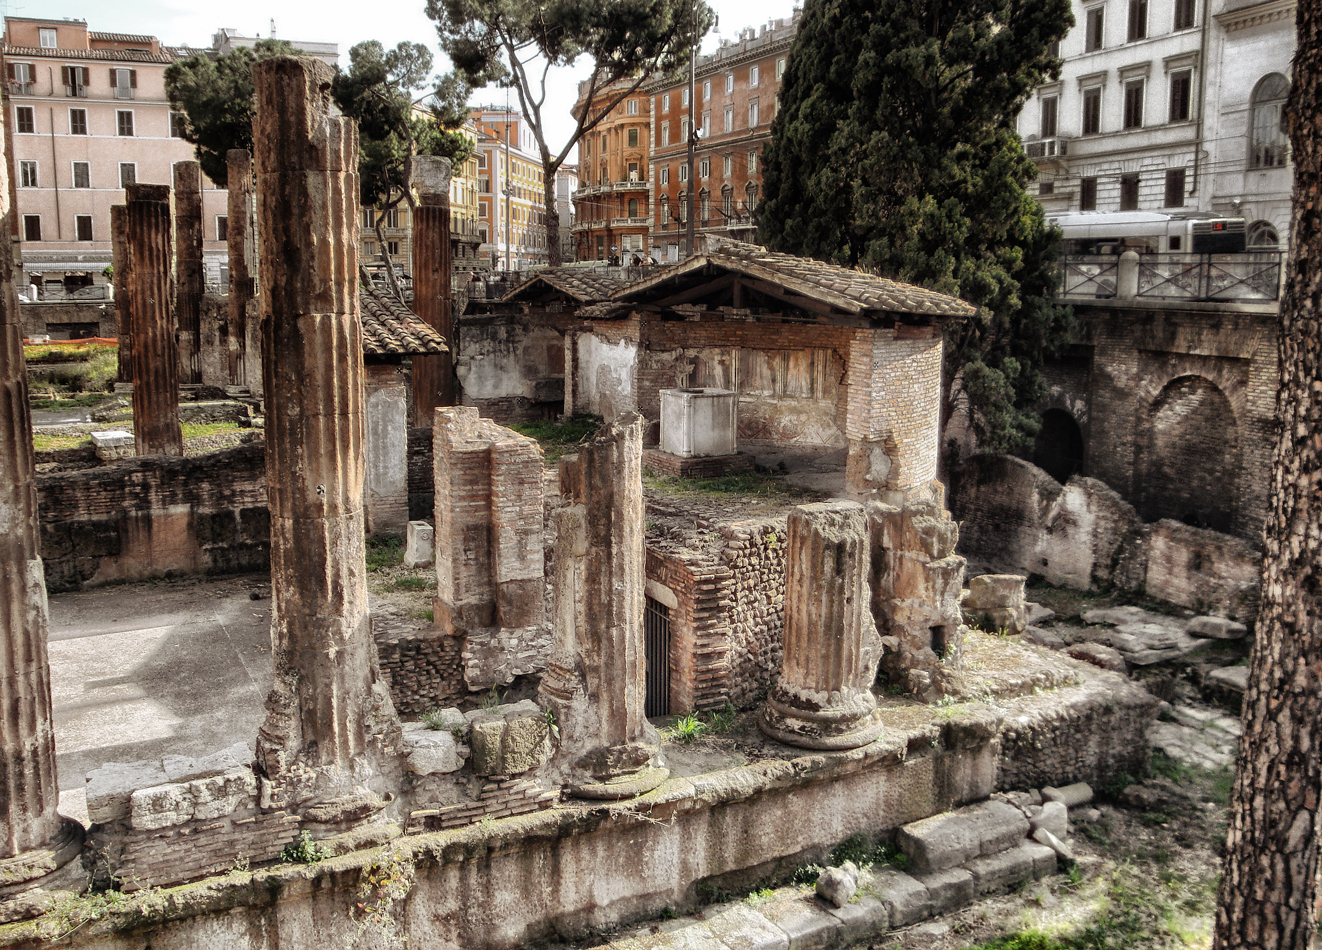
column 893, row 149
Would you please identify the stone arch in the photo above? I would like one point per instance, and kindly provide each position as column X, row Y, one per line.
column 1058, row 448
column 1190, row 456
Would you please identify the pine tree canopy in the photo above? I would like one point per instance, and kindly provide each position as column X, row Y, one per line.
column 893, row 149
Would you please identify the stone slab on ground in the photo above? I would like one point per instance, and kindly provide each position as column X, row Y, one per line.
column 939, row 842
column 905, row 898
column 1217, row 628
column 998, row 872
column 948, row 890
column 803, row 919
column 860, row 919
column 1233, row 678
column 739, row 927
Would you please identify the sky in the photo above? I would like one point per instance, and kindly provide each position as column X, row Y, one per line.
column 187, row 22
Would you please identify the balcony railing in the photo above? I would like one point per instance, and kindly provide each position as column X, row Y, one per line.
column 1054, row 147
column 628, row 222
column 1254, row 276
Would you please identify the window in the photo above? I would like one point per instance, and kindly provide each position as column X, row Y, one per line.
column 1048, row 123
column 603, row 141
column 82, row 175
column 1262, row 234
column 683, row 173
column 482, row 158
column 392, row 248
column 128, row 174
column 1181, row 86
column 665, row 175
column 77, row 121
column 124, row 82
column 633, row 171
column 1138, row 20
column 1045, row 188
column 683, row 130
column 684, row 96
column 76, row 79
column 1184, row 14
column 727, row 200
column 1092, row 110
column 1053, row 49
column 753, row 74
column 1093, row 36
column 633, row 138
column 27, row 174
column 633, row 207
column 32, row 227
column 665, row 103
column 683, row 202
column 729, row 82
column 1087, row 194
column 706, row 120
column 123, row 122
column 222, row 227
column 631, row 107
column 727, row 165
column 752, row 114
column 1134, row 104
column 1174, row 188
column 178, row 122
column 665, row 211
column 750, row 195
column 704, row 169
column 82, row 227
column 665, row 134
column 704, row 204
column 47, row 39
column 25, row 119
column 1269, row 144
column 706, row 90
column 752, row 161
column 1129, row 192
column 729, row 118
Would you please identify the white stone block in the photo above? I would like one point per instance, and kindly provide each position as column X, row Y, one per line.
column 419, row 544
column 429, row 751
column 699, row 422
column 110, row 788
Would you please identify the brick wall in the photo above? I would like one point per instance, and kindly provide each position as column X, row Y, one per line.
column 153, row 516
column 699, row 624
column 423, row 670
column 55, row 318
column 755, row 553
column 422, row 475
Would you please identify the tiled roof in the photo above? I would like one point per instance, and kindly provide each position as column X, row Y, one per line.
column 391, row 329
column 585, row 286
column 121, row 38
column 107, row 55
column 849, row 290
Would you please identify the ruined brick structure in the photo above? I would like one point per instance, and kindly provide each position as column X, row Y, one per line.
column 188, row 269
column 242, row 246
column 433, row 375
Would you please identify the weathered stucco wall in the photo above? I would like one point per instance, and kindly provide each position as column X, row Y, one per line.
column 503, row 359
column 603, row 376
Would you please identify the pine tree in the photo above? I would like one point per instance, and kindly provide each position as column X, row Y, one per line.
column 893, row 149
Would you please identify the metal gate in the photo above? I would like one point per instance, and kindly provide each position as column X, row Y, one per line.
column 656, row 649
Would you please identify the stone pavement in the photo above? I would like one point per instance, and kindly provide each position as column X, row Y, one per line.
column 158, row 668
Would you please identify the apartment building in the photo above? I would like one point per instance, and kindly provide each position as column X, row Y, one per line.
column 87, row 114
column 611, row 204
column 511, row 218
column 1170, row 106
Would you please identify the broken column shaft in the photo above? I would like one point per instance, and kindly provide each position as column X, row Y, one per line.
column 154, row 362
column 188, row 247
column 242, row 287
column 119, row 258
column 327, row 711
column 595, row 682
column 824, row 697
column 29, row 791
column 433, row 375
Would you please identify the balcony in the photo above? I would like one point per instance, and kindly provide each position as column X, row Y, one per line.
column 1047, row 149
column 628, row 222
column 631, row 185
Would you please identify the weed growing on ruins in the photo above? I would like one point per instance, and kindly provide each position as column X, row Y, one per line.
column 240, row 865
column 414, row 583
column 56, row 443
column 67, row 916
column 745, row 484
column 760, row 896
column 492, row 699
column 552, row 725
column 384, row 552
column 560, row 437
column 303, row 850
column 722, row 720
column 687, row 729
column 435, row 719
column 381, row 886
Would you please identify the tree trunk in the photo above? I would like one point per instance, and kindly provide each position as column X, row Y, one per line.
column 391, row 280
column 553, row 255
column 1269, row 884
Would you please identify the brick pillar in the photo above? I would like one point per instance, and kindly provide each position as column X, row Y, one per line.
column 188, row 268
column 824, row 697
column 29, row 791
column 433, row 375
column 155, row 358
column 596, row 682
column 119, row 258
column 387, row 499
column 329, row 718
column 242, row 286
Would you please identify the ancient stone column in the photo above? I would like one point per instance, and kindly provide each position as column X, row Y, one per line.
column 824, row 697
column 29, row 791
column 595, row 682
column 322, row 748
column 154, row 363
column 433, row 376
column 119, row 258
column 242, row 286
column 188, row 268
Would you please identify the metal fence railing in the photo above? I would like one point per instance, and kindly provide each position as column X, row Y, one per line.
column 1252, row 276
column 1088, row 275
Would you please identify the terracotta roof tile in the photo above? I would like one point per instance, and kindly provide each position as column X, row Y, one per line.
column 105, row 55
column 585, row 286
column 391, row 329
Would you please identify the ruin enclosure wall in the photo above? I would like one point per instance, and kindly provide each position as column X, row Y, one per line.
column 755, row 553
column 790, row 376
column 421, row 475
column 154, row 516
column 512, row 366
column 423, row 669
column 58, row 319
column 512, row 881
column 601, row 377
column 1205, row 570
column 697, row 589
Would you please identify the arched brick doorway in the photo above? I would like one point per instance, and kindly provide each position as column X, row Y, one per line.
column 1058, row 448
column 1190, row 456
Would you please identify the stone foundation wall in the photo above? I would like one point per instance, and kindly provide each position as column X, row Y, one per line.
column 423, row 670
column 1207, row 571
column 155, row 516
column 663, row 463
column 755, row 552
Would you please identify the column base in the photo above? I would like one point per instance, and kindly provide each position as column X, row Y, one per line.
column 798, row 721
column 47, row 868
column 629, row 785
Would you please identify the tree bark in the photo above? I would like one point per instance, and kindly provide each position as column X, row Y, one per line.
column 1269, row 887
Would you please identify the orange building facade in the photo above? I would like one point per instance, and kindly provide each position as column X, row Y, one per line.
column 611, row 205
